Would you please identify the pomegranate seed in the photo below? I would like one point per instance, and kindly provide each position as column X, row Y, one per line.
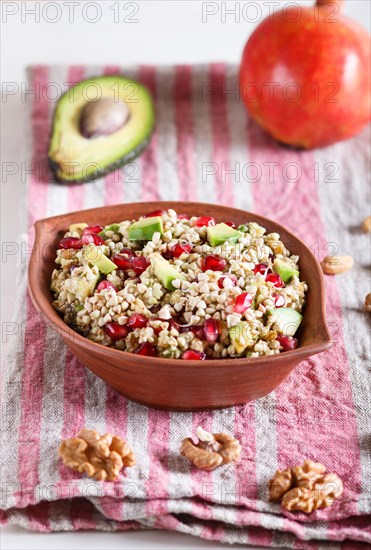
column 106, row 284
column 230, row 276
column 231, row 224
column 137, row 320
column 127, row 252
column 180, row 249
column 146, row 349
column 214, row 263
column 70, row 242
column 211, row 330
column 116, row 331
column 155, row 213
column 193, row 355
column 124, row 259
column 183, row 217
column 287, row 342
column 168, row 255
column 279, row 301
column 204, row 220
column 92, row 238
column 263, row 269
column 243, row 302
column 139, row 264
column 275, row 279
column 197, row 330
column 93, row 229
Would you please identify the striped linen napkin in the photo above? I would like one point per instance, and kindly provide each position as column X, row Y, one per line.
column 205, row 149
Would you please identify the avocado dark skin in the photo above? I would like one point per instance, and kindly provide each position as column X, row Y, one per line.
column 54, row 167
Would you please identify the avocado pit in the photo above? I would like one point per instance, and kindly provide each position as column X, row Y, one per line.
column 103, row 117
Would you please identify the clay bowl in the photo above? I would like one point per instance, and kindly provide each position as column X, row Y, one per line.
column 177, row 384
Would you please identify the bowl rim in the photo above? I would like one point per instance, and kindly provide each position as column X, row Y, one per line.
column 45, row 308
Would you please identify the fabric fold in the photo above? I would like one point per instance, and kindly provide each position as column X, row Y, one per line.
column 316, row 413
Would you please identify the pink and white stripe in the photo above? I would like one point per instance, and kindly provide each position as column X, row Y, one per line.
column 201, row 150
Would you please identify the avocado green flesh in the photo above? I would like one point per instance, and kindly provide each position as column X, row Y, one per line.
column 284, row 270
column 287, row 320
column 75, row 158
column 143, row 230
column 241, row 337
column 86, row 288
column 94, row 255
column 166, row 273
column 79, row 227
column 115, row 228
column 220, row 233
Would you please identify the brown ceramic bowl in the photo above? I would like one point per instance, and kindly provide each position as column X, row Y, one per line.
column 178, row 384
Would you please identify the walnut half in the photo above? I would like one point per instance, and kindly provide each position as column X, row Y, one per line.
column 305, row 488
column 100, row 457
column 212, row 450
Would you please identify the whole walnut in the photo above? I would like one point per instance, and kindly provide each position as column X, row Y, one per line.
column 100, row 457
column 212, row 450
column 305, row 488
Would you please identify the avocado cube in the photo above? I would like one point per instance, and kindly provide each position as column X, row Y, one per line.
column 83, row 285
column 287, row 320
column 221, row 232
column 241, row 336
column 284, row 270
column 86, row 288
column 78, row 227
column 144, row 229
column 165, row 272
column 115, row 227
column 94, row 255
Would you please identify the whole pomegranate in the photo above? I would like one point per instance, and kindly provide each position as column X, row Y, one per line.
column 305, row 75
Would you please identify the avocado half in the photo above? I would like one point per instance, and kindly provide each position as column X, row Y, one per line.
column 75, row 158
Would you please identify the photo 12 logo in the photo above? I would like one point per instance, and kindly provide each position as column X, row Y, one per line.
column 70, row 12
column 254, row 12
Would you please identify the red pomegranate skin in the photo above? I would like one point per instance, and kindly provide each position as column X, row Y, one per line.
column 328, row 61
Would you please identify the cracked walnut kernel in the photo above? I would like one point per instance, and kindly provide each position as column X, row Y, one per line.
column 305, row 488
column 100, row 457
column 212, row 450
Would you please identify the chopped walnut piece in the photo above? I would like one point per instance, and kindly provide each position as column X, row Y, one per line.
column 280, row 484
column 100, row 457
column 334, row 265
column 305, row 488
column 212, row 450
